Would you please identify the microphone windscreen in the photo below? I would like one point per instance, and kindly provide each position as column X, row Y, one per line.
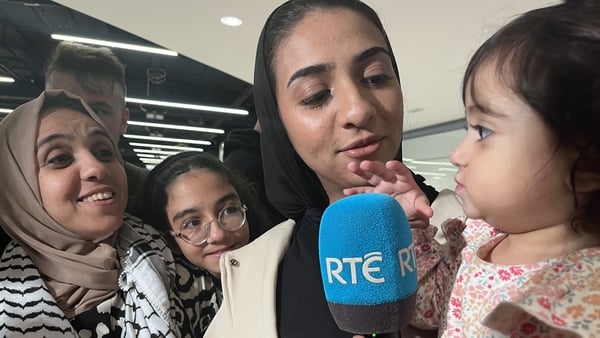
column 367, row 264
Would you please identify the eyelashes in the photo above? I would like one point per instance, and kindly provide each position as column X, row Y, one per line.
column 61, row 158
column 482, row 131
column 320, row 98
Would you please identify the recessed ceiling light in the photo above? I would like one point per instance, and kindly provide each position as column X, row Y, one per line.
column 232, row 21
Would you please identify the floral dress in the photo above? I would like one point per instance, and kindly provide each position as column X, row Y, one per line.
column 559, row 297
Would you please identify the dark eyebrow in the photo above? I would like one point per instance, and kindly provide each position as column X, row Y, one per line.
column 321, row 68
column 99, row 132
column 182, row 213
column 316, row 69
column 368, row 53
column 50, row 138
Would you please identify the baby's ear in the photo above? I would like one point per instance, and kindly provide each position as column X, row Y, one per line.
column 586, row 166
column 587, row 181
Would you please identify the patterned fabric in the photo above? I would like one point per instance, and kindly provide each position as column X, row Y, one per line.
column 436, row 268
column 197, row 294
column 26, row 306
column 151, row 300
column 556, row 297
column 559, row 297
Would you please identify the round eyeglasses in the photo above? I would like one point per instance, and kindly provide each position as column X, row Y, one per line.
column 230, row 218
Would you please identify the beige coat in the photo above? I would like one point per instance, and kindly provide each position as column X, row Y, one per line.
column 249, row 275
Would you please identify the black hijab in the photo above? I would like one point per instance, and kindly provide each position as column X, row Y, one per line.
column 293, row 188
column 291, row 185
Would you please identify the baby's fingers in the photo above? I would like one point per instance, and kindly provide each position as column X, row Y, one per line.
column 358, row 190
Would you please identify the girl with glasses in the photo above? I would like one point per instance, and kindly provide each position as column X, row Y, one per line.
column 203, row 210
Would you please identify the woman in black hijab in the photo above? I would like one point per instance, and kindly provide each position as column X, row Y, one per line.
column 327, row 93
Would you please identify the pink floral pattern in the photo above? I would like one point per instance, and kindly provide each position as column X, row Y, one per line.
column 559, row 297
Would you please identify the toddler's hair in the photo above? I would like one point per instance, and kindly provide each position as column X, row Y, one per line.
column 550, row 57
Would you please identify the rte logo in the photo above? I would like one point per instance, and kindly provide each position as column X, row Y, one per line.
column 369, row 266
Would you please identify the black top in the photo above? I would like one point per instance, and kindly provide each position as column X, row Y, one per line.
column 241, row 152
column 136, row 178
column 302, row 309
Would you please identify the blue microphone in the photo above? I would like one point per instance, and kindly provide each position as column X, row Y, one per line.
column 368, row 265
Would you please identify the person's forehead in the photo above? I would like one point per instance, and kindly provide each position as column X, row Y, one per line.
column 348, row 34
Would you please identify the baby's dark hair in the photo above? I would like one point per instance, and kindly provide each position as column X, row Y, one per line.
column 550, row 57
column 153, row 208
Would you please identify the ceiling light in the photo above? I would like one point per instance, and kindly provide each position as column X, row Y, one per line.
column 7, row 79
column 187, row 106
column 231, row 21
column 5, row 111
column 176, row 126
column 167, row 139
column 151, row 160
column 163, row 146
column 148, row 156
column 114, row 44
column 152, row 151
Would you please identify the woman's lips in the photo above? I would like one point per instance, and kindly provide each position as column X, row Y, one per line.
column 363, row 148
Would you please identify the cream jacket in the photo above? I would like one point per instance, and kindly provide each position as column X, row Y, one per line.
column 249, row 276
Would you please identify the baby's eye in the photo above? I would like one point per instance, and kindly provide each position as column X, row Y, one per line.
column 483, row 132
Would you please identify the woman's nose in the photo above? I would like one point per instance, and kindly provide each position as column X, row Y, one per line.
column 356, row 108
column 92, row 168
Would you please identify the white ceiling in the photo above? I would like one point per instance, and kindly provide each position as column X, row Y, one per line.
column 432, row 41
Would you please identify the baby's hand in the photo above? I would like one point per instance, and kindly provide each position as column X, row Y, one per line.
column 396, row 180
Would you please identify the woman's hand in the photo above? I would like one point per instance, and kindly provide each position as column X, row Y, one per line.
column 396, row 180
